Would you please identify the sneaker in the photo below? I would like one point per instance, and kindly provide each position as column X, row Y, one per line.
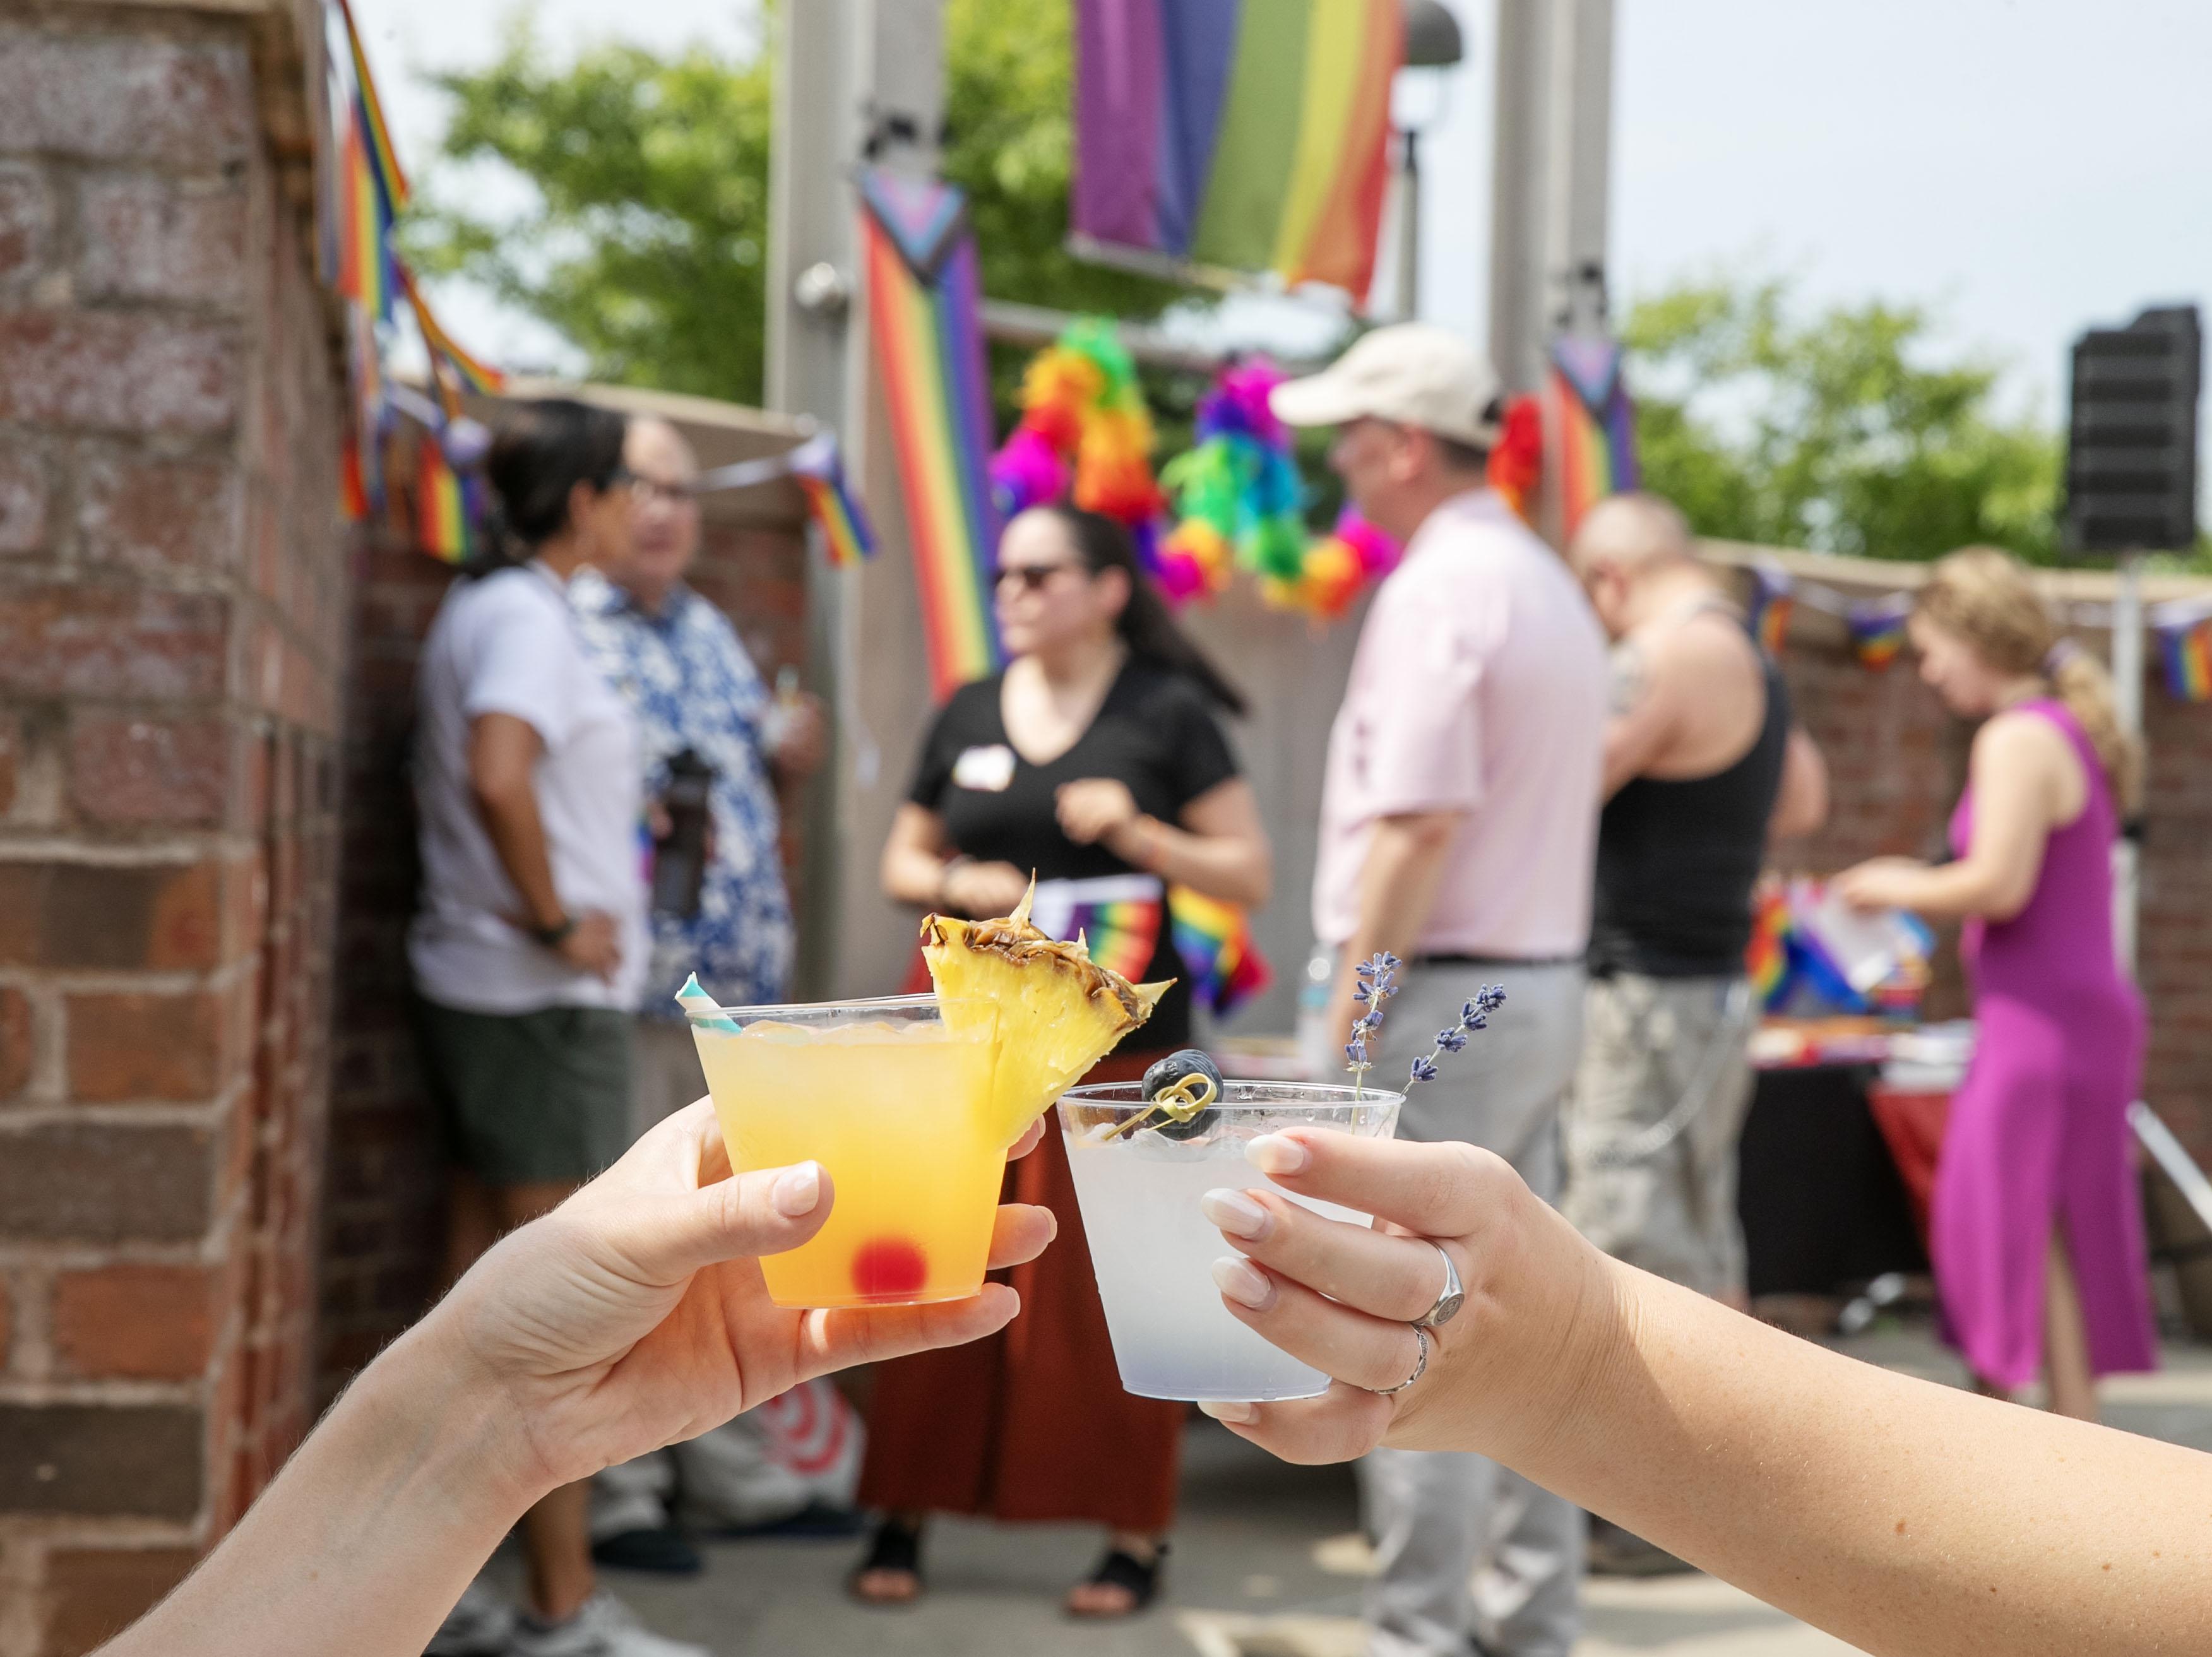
column 480, row 1624
column 602, row 1627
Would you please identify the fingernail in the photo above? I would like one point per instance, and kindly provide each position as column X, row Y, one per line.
column 796, row 1190
column 1223, row 1409
column 1235, row 1213
column 1243, row 1283
column 1271, row 1153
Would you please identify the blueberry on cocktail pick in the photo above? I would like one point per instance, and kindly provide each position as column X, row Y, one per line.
column 1183, row 1088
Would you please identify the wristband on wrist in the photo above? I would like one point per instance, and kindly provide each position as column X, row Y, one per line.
column 555, row 936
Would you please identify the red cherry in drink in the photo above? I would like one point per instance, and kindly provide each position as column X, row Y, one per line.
column 889, row 1267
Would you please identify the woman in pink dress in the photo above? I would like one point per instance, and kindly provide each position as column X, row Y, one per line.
column 2037, row 1228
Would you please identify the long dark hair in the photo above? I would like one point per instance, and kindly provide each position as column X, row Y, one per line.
column 1146, row 625
column 542, row 451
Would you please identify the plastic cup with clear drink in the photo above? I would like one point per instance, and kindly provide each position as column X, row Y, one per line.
column 1153, row 1250
column 896, row 1104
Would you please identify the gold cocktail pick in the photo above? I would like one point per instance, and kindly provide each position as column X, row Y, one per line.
column 1179, row 1102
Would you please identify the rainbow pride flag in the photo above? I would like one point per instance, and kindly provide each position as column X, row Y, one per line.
column 1118, row 917
column 446, row 353
column 365, row 263
column 819, row 468
column 1215, row 942
column 1596, row 424
column 442, row 502
column 2185, row 650
column 1877, row 629
column 924, row 311
column 1244, row 134
column 1766, row 959
column 1772, row 601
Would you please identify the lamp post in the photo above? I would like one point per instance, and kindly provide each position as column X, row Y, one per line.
column 1418, row 101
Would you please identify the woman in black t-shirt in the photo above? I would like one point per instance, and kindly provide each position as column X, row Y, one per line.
column 1095, row 760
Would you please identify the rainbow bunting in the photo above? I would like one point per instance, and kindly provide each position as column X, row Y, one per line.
column 1246, row 135
column 818, row 469
column 1771, row 605
column 1596, row 424
column 1215, row 942
column 924, row 305
column 2185, row 646
column 441, row 501
column 1877, row 629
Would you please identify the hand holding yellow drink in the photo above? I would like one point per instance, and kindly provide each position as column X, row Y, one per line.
column 911, row 1103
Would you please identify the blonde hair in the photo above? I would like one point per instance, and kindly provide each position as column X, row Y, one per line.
column 1983, row 595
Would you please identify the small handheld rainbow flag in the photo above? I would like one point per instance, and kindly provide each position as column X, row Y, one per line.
column 1771, row 603
column 1215, row 942
column 1596, row 424
column 1877, row 628
column 818, row 469
column 2185, row 649
column 925, row 307
column 1117, row 916
column 1766, row 959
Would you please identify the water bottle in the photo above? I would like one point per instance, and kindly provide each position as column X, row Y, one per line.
column 679, row 856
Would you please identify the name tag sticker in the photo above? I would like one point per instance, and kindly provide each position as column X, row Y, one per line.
column 985, row 770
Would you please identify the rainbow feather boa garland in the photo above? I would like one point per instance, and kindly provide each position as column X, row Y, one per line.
column 1238, row 501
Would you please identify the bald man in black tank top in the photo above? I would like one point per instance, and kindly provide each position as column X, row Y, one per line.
column 1702, row 768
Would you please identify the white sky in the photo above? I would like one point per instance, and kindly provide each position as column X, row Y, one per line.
column 2029, row 167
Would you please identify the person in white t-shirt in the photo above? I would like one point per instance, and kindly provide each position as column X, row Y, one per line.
column 529, row 946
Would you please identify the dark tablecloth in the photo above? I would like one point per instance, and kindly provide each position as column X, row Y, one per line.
column 1822, row 1206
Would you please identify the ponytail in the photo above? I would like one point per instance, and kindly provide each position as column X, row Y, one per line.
column 1984, row 597
column 1146, row 625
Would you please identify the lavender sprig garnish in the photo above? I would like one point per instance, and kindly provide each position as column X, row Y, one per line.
column 1377, row 983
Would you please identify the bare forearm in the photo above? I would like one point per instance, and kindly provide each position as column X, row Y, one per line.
column 367, row 1535
column 1397, row 892
column 1228, row 867
column 518, row 835
column 1878, row 1507
column 1953, row 891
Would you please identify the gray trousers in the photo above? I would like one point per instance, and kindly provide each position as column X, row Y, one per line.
column 1465, row 1547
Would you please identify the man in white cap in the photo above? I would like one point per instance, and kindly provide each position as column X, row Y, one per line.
column 1459, row 818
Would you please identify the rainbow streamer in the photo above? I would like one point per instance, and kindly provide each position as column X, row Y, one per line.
column 1215, row 942
column 1247, row 134
column 1597, row 425
column 474, row 375
column 1877, row 629
column 441, row 502
column 1770, row 604
column 2186, row 648
column 924, row 305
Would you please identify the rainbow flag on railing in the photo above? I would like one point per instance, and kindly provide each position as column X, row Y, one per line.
column 1597, row 425
column 1245, row 135
column 925, row 307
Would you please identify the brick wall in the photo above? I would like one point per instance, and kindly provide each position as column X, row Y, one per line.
column 170, row 597
column 382, row 1227
column 1898, row 761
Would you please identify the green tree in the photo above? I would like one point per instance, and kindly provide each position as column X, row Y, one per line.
column 1839, row 431
column 646, row 241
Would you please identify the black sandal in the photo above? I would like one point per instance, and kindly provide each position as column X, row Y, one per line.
column 1140, row 1578
column 893, row 1547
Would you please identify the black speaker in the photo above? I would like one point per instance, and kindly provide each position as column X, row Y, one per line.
column 2131, row 435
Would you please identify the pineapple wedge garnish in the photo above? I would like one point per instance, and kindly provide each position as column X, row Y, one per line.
column 1058, row 1012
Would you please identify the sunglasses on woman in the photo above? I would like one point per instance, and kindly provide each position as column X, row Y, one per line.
column 1034, row 578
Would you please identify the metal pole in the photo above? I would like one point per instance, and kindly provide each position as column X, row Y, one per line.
column 1409, row 225
column 2127, row 703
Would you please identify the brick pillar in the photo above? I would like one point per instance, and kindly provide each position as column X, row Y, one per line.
column 171, row 586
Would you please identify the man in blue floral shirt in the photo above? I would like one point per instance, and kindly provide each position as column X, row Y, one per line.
column 678, row 662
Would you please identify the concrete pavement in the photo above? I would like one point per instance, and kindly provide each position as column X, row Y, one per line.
column 1268, row 1563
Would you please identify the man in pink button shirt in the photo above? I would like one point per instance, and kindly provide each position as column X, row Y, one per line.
column 1459, row 821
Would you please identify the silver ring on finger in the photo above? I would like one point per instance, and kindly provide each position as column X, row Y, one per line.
column 1420, row 1365
column 1450, row 1300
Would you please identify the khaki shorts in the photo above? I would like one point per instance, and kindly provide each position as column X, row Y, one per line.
column 1651, row 1127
